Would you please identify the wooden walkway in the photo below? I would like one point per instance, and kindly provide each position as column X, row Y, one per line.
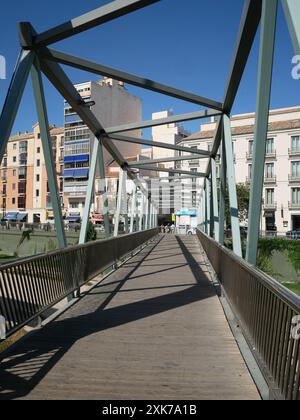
column 155, row 329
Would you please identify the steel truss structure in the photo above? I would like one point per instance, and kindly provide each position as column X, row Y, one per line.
column 36, row 58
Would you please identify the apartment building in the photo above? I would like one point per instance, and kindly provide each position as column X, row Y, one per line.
column 281, row 192
column 23, row 179
column 169, row 133
column 113, row 105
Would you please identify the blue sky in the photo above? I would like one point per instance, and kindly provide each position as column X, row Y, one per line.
column 188, row 44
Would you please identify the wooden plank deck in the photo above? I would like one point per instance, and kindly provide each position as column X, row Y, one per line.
column 155, row 329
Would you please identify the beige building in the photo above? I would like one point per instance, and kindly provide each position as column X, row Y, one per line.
column 114, row 106
column 281, row 193
column 23, row 180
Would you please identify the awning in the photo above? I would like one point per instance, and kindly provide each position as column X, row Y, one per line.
column 186, row 213
column 76, row 158
column 22, row 216
column 76, row 173
column 11, row 216
column 74, row 219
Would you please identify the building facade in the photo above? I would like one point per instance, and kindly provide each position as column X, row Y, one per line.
column 113, row 105
column 281, row 192
column 23, row 180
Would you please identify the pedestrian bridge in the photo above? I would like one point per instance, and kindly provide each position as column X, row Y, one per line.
column 159, row 326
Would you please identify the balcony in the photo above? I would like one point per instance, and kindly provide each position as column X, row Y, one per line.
column 294, row 152
column 271, row 154
column 194, row 163
column 294, row 206
column 4, row 179
column 270, row 206
column 294, row 179
column 270, row 179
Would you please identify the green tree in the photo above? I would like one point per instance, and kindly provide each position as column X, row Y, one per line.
column 91, row 234
column 243, row 196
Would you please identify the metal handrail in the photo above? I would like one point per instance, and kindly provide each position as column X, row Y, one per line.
column 265, row 310
column 30, row 286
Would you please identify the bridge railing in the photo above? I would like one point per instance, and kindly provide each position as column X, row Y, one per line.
column 266, row 312
column 30, row 286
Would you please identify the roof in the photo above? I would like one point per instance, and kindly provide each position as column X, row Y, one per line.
column 247, row 129
column 54, row 131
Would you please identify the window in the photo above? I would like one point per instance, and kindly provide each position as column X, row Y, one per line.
column 38, row 162
column 22, row 187
column 21, row 202
column 37, row 193
column 296, row 195
column 250, row 149
column 15, row 146
column 23, row 147
column 14, row 172
column 250, row 172
column 194, row 180
column 38, row 178
column 270, row 146
column 270, row 196
column 13, row 186
column 270, row 171
column 13, row 200
column 14, row 159
column 295, row 143
column 39, row 135
column 22, row 173
column 296, row 169
column 194, row 198
column 38, row 150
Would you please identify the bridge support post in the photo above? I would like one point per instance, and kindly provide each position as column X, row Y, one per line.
column 133, row 209
column 142, row 205
column 104, row 191
column 147, row 205
column 207, row 207
column 266, row 58
column 41, row 109
column 119, row 203
column 222, row 194
column 13, row 98
column 292, row 12
column 211, row 218
column 233, row 202
column 89, row 193
column 125, row 203
column 215, row 199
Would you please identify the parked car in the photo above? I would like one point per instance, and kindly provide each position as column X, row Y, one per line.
column 294, row 234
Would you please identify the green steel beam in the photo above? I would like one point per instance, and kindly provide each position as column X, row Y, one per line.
column 234, row 213
column 266, row 58
column 103, row 14
column 214, row 189
column 13, row 97
column 41, row 108
column 292, row 13
column 222, row 195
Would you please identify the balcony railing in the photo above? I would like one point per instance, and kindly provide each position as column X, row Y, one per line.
column 294, row 178
column 249, row 155
column 271, row 154
column 270, row 206
column 294, row 206
column 270, row 179
column 295, row 151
